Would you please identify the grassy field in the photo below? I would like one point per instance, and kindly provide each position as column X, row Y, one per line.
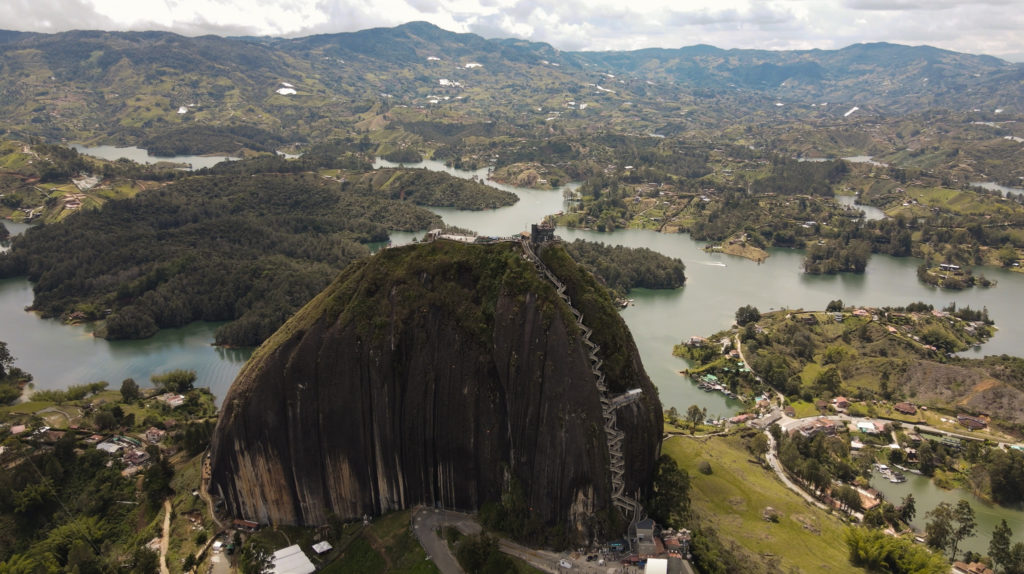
column 734, row 496
column 387, row 545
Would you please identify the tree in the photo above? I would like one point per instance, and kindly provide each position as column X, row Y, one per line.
column 670, row 497
column 254, row 558
column 965, row 525
column 1007, row 255
column 908, row 508
column 130, row 391
column 999, row 546
column 694, row 415
column 829, row 380
column 1015, row 563
column 834, row 306
column 926, row 458
column 673, row 416
column 847, row 497
column 759, row 446
column 939, row 529
column 104, row 420
column 879, row 552
column 949, row 525
column 747, row 314
column 176, row 381
column 6, row 360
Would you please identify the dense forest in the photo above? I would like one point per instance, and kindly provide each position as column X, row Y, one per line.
column 790, row 177
column 250, row 250
column 60, row 513
column 429, row 188
column 623, row 268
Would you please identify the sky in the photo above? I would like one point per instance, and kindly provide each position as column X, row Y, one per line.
column 994, row 27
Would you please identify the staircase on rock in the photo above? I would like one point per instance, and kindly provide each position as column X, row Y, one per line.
column 629, row 506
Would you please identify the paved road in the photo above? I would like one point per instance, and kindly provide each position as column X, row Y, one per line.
column 773, row 461
column 219, row 564
column 426, row 522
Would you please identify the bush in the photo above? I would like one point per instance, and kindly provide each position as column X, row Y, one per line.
column 704, row 467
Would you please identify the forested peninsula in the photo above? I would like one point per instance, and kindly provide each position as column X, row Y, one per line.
column 249, row 250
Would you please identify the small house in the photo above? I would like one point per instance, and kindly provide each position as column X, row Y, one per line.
column 109, row 447
column 155, row 435
column 246, row 525
column 841, row 402
column 971, row 568
column 136, row 456
column 656, row 566
column 971, row 422
column 905, row 408
column 645, row 536
column 817, row 426
column 696, row 341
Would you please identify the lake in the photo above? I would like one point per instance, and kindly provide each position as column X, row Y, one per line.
column 870, row 212
column 139, row 155
column 59, row 355
column 993, row 186
column 927, row 496
column 717, row 284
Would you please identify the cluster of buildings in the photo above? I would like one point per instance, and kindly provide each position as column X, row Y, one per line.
column 657, row 550
column 131, row 450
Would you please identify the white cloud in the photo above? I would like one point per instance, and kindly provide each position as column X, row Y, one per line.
column 979, row 26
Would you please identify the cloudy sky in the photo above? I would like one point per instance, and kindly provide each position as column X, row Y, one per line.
column 993, row 27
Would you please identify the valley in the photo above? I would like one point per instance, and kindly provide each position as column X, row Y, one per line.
column 268, row 232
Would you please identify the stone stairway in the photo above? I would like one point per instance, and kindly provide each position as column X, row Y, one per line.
column 629, row 506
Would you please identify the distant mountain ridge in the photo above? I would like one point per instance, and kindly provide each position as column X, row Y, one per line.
column 125, row 86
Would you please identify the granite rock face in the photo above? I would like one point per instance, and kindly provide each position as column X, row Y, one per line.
column 430, row 374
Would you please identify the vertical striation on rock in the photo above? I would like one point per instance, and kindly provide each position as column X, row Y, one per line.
column 439, row 373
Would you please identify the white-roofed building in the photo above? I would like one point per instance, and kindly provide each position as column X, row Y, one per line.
column 291, row 560
column 322, row 546
column 656, row 566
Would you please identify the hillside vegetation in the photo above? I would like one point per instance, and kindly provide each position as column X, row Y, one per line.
column 889, row 353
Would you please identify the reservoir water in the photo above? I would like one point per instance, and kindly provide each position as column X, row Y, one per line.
column 59, row 355
column 871, row 213
column 993, row 186
column 139, row 155
column 717, row 284
column 927, row 496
